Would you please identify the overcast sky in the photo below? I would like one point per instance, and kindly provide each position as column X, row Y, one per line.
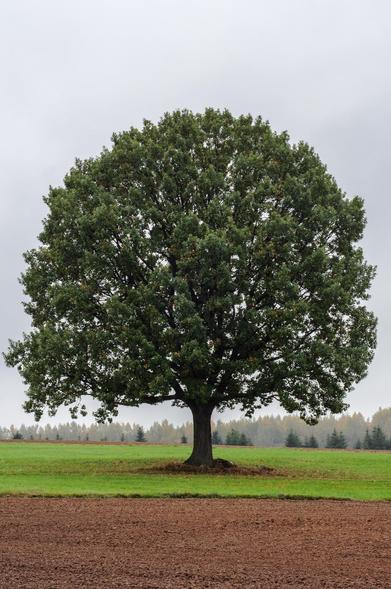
column 73, row 72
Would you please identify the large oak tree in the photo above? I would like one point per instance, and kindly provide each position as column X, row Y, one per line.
column 204, row 260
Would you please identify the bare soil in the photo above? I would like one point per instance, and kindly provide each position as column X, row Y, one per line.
column 193, row 543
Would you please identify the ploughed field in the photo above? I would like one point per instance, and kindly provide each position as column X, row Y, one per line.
column 193, row 543
column 66, row 469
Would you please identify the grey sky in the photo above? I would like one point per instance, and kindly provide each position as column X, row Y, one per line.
column 73, row 72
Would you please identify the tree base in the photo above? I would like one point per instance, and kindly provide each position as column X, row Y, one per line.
column 222, row 463
column 219, row 463
column 220, row 467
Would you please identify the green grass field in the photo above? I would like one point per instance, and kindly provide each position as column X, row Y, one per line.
column 53, row 469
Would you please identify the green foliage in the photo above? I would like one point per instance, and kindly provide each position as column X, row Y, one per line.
column 311, row 442
column 140, row 436
column 342, row 441
column 203, row 260
column 367, row 443
column 183, row 439
column 292, row 440
column 216, row 438
column 379, row 440
column 332, row 440
column 336, row 440
column 244, row 440
column 235, row 438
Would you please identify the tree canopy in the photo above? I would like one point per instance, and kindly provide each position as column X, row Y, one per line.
column 203, row 260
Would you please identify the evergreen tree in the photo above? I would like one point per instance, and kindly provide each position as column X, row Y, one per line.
column 313, row 442
column 341, row 441
column 233, row 438
column 292, row 440
column 183, row 439
column 216, row 438
column 332, row 439
column 140, row 436
column 17, row 436
column 244, row 440
column 122, row 437
column 336, row 440
column 379, row 440
column 367, row 443
column 358, row 445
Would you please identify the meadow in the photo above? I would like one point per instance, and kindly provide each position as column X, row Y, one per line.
column 109, row 470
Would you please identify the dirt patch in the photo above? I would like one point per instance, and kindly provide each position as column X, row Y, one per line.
column 205, row 543
column 217, row 469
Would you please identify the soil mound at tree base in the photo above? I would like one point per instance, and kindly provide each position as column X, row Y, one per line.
column 220, row 467
column 193, row 543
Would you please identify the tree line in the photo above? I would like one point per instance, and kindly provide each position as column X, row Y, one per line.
column 262, row 431
column 374, row 440
column 233, row 438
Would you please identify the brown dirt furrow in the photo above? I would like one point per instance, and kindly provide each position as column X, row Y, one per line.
column 193, row 543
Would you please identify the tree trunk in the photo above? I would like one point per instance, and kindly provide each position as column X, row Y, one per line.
column 202, row 438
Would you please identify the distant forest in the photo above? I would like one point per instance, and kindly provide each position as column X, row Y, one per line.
column 262, row 431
